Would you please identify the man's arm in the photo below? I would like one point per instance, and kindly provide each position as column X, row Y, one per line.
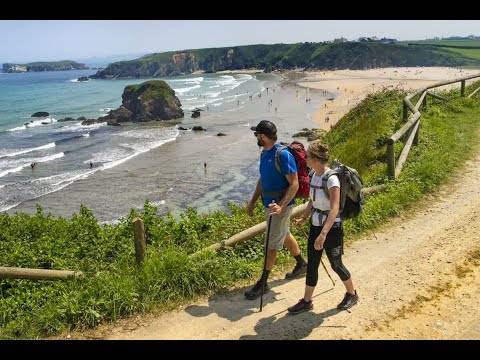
column 256, row 195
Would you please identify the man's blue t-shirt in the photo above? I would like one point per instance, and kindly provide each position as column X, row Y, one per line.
column 272, row 180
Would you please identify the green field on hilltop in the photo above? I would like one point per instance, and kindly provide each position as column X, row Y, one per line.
column 465, row 48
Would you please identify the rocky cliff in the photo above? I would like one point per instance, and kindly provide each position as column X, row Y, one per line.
column 309, row 56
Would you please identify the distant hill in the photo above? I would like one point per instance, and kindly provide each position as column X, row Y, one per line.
column 363, row 54
column 43, row 66
column 103, row 61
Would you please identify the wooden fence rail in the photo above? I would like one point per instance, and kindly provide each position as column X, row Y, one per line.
column 412, row 123
column 37, row 274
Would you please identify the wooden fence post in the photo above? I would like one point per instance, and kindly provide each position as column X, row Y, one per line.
column 424, row 102
column 462, row 88
column 405, row 111
column 139, row 237
column 391, row 159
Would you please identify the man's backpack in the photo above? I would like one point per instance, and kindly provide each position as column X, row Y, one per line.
column 351, row 184
column 298, row 151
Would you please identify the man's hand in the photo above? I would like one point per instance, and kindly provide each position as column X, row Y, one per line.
column 274, row 208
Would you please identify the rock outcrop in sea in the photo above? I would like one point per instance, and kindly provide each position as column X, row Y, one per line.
column 148, row 101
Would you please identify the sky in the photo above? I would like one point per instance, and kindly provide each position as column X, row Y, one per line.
column 50, row 40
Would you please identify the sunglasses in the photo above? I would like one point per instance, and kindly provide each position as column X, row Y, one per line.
column 256, row 133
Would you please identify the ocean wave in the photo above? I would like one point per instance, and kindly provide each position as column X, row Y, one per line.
column 18, row 165
column 78, row 127
column 157, row 203
column 191, row 80
column 212, row 94
column 11, row 170
column 4, row 153
column 23, row 127
column 4, row 207
column 34, row 123
column 244, row 76
column 61, row 141
column 33, row 189
column 184, row 90
column 141, row 149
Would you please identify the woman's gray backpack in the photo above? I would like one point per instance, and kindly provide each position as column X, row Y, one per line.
column 351, row 184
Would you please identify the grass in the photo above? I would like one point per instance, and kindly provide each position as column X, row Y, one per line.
column 465, row 48
column 115, row 287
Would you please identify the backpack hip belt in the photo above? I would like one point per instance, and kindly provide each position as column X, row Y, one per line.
column 336, row 224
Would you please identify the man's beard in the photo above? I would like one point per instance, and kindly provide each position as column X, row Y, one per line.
column 260, row 142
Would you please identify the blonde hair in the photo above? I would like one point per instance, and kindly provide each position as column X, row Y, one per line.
column 319, row 151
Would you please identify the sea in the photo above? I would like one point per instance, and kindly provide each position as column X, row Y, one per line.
column 113, row 169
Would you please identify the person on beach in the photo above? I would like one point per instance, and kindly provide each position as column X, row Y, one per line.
column 326, row 230
column 277, row 192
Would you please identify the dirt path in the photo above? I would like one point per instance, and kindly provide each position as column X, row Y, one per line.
column 418, row 279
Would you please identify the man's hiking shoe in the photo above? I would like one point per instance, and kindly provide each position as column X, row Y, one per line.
column 348, row 301
column 256, row 291
column 301, row 306
column 297, row 271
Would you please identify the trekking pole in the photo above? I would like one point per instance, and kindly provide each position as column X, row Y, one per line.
column 269, row 220
column 321, row 261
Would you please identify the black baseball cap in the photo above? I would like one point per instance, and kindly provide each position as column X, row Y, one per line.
column 265, row 127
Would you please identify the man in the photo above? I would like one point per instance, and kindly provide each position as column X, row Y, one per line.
column 278, row 193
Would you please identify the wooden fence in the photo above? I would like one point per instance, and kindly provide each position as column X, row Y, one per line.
column 412, row 123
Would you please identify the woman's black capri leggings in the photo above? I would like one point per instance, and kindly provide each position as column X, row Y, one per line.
column 333, row 246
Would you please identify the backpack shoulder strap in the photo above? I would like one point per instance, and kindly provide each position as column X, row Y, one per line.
column 325, row 178
column 277, row 158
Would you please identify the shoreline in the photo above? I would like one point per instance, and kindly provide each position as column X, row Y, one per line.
column 353, row 86
column 347, row 88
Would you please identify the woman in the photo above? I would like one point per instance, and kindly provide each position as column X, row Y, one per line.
column 326, row 230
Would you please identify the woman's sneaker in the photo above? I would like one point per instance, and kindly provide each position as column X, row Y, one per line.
column 301, row 306
column 348, row 301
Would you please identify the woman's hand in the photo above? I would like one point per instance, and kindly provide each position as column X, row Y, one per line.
column 319, row 241
column 298, row 224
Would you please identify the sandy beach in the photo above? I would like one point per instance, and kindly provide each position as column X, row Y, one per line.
column 352, row 86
